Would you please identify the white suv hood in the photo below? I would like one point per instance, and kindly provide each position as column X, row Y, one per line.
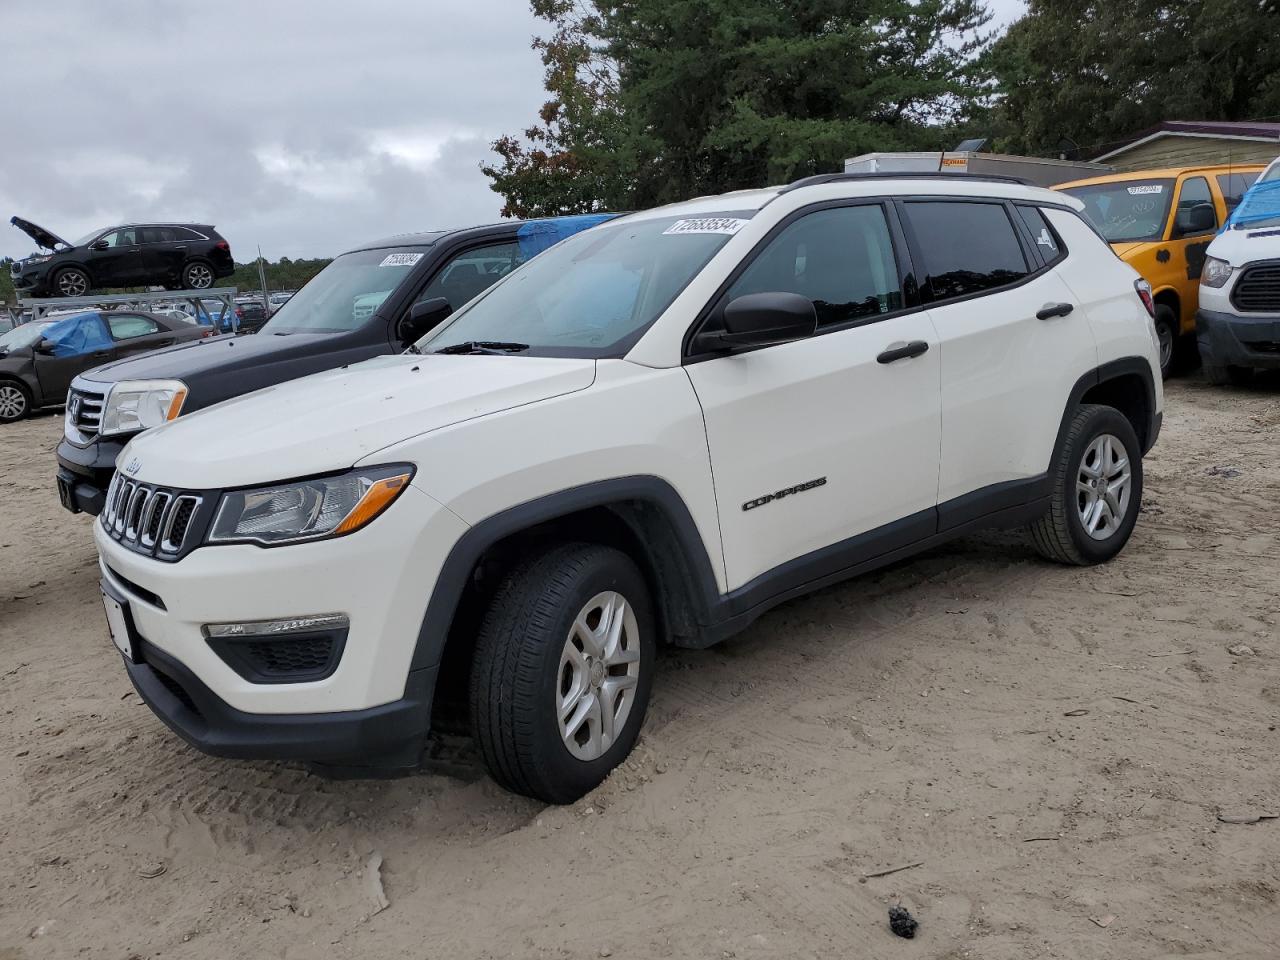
column 1239, row 247
column 332, row 420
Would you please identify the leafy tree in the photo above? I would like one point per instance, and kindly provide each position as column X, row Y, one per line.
column 1098, row 71
column 657, row 100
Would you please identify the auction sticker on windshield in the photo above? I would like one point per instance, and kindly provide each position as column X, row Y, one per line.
column 1151, row 188
column 726, row 225
column 400, row 260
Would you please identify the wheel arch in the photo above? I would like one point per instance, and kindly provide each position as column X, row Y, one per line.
column 643, row 516
column 1169, row 297
column 1127, row 385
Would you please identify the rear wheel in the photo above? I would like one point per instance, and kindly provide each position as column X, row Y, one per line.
column 71, row 282
column 562, row 670
column 1097, row 490
column 15, row 401
column 197, row 275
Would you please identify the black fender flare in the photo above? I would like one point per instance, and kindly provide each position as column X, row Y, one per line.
column 650, row 491
column 1113, row 370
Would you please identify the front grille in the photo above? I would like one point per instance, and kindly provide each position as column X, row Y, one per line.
column 153, row 520
column 84, row 414
column 1258, row 289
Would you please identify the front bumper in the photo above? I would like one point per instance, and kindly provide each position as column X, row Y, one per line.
column 1239, row 340
column 380, row 578
column 84, row 473
column 32, row 281
column 386, row 736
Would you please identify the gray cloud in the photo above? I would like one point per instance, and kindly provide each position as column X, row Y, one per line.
column 305, row 127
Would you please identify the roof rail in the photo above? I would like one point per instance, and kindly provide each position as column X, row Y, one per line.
column 901, row 175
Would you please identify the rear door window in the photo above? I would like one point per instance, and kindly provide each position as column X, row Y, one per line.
column 126, row 326
column 967, row 247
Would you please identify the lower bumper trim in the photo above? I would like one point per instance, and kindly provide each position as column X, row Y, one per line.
column 387, row 736
column 1239, row 341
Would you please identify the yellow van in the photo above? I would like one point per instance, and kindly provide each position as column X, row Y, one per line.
column 1160, row 222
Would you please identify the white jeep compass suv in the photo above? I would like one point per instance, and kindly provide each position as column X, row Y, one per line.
column 651, row 433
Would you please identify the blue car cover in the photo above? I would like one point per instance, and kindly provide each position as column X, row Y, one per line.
column 77, row 335
column 1260, row 203
column 536, row 235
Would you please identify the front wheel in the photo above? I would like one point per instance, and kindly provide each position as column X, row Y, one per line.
column 15, row 401
column 562, row 670
column 1097, row 490
column 72, row 282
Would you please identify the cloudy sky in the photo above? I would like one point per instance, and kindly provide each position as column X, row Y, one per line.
column 301, row 125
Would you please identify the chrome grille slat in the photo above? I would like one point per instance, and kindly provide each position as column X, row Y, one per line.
column 84, row 414
column 152, row 520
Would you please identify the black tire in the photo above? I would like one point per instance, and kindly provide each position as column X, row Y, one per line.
column 1166, row 322
column 1060, row 535
column 71, row 282
column 197, row 275
column 516, row 673
column 1225, row 375
column 15, row 401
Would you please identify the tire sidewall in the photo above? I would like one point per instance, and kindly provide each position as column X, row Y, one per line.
column 1103, row 420
column 1165, row 318
column 561, row 771
column 26, row 396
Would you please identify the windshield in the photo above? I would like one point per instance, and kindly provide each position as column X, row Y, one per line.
column 594, row 294
column 86, row 238
column 1128, row 211
column 343, row 295
column 24, row 336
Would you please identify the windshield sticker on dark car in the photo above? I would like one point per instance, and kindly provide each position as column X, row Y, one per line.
column 725, row 225
column 400, row 260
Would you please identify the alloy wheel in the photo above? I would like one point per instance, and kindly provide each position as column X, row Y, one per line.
column 598, row 674
column 73, row 283
column 13, row 402
column 1104, row 483
column 199, row 276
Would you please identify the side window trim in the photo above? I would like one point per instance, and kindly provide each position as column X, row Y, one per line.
column 715, row 304
column 1035, row 268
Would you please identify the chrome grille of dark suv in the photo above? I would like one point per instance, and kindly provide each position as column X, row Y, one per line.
column 1258, row 289
column 149, row 519
column 84, row 414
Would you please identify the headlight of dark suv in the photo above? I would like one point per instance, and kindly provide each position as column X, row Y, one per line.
column 312, row 509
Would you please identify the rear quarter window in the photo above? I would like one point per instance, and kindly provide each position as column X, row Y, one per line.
column 1046, row 241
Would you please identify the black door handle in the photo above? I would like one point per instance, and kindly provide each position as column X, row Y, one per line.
column 912, row 349
column 1051, row 310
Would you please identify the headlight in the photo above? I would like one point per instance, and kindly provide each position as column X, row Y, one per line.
column 134, row 405
column 308, row 509
column 32, row 261
column 1216, row 272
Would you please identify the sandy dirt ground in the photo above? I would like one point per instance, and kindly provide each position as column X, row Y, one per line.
column 1052, row 746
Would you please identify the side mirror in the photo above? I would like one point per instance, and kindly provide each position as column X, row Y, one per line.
column 758, row 319
column 44, row 347
column 423, row 317
column 99, row 245
column 1199, row 219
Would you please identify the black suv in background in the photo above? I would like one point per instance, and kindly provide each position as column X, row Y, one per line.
column 376, row 299
column 178, row 256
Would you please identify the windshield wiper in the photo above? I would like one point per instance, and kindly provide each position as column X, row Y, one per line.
column 495, row 347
